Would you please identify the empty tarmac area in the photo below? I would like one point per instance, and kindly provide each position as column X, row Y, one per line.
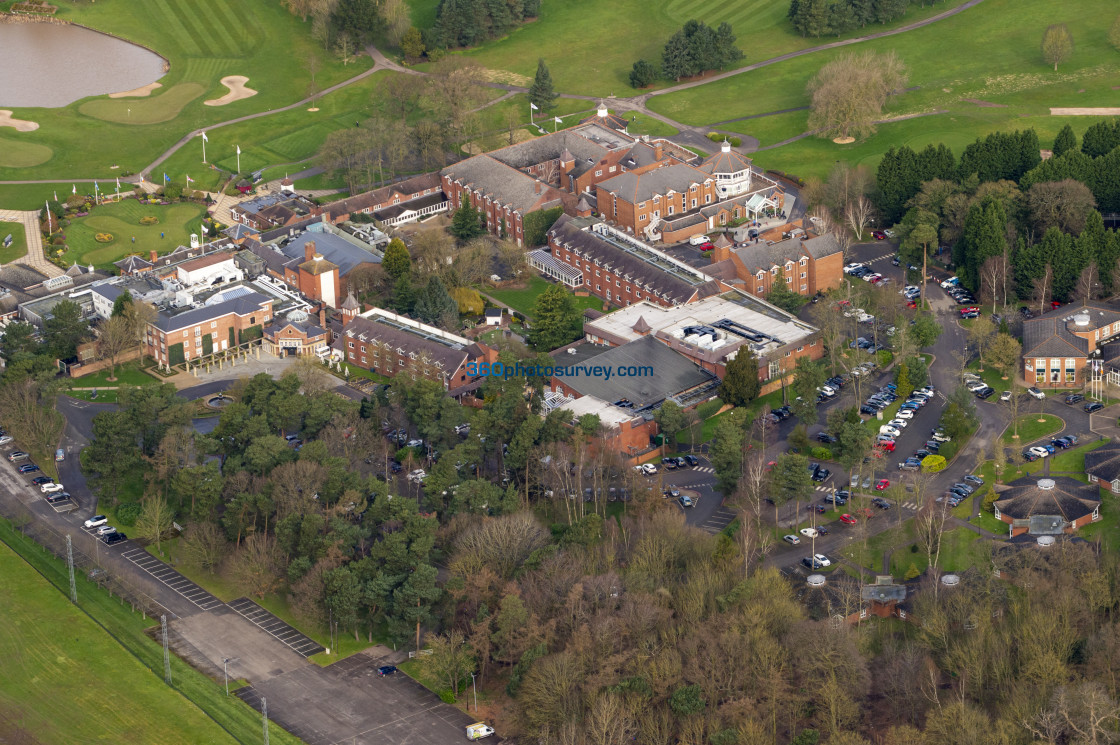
column 172, row 579
column 295, row 640
column 221, row 634
column 348, row 702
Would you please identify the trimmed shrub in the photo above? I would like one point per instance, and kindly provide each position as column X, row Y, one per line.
column 988, row 504
column 128, row 512
column 735, row 141
column 820, row 453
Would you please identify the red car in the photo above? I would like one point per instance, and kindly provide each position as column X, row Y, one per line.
column 878, row 235
column 882, row 485
column 887, row 445
column 706, row 246
column 847, row 519
column 1055, row 304
column 969, row 309
column 912, row 304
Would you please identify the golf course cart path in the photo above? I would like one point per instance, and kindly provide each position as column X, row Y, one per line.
column 35, row 257
column 634, row 103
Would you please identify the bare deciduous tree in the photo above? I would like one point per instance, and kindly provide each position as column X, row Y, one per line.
column 857, row 214
column 204, row 546
column 257, row 565
column 1043, row 288
column 848, row 93
column 1089, row 282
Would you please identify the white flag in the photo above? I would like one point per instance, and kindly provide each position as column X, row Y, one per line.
column 204, row 230
column 239, row 150
column 118, row 183
column 189, row 179
column 205, row 138
column 558, row 120
column 532, row 106
column 74, row 189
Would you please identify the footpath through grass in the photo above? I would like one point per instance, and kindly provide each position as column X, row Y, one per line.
column 66, row 679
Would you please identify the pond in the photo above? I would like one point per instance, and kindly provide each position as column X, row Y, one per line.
column 52, row 65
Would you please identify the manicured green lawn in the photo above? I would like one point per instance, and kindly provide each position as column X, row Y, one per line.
column 1030, row 428
column 65, row 680
column 591, row 46
column 127, row 374
column 959, row 551
column 1074, row 458
column 18, row 249
column 522, row 299
column 992, row 378
column 122, row 221
column 1107, row 530
column 640, row 124
column 203, row 40
column 994, row 58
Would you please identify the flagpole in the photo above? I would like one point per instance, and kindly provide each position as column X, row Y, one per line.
column 203, row 147
column 49, row 228
column 238, row 160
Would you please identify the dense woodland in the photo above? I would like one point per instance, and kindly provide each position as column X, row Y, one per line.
column 835, row 17
column 1019, row 227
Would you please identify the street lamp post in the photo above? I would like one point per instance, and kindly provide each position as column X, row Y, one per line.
column 225, row 670
column 475, row 689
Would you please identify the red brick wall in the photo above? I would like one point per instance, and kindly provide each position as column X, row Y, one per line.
column 497, row 216
column 154, row 342
column 622, row 293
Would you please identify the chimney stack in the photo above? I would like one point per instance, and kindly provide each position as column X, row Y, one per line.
column 152, row 256
column 323, row 316
column 658, row 151
column 538, row 187
column 308, row 250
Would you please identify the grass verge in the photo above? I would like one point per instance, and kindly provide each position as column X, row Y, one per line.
column 1031, row 427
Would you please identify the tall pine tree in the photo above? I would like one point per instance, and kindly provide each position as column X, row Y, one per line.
column 541, row 93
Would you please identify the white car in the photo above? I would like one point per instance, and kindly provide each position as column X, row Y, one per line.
column 809, row 532
column 792, row 539
column 823, row 560
column 950, row 282
column 96, row 521
column 1035, row 393
column 898, row 423
column 865, row 318
column 852, row 267
column 649, row 469
column 50, row 488
column 106, row 530
column 418, row 475
column 887, row 429
column 975, row 385
column 905, row 414
column 5, row 439
column 1041, row 452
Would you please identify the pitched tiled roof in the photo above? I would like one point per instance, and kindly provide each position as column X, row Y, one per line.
column 339, row 251
column 639, row 187
column 503, row 183
column 369, row 199
column 725, row 162
column 318, row 265
column 592, row 247
column 444, row 356
column 549, row 147
column 675, row 374
column 307, row 328
column 1046, row 336
column 1032, row 496
column 1104, row 462
column 132, row 264
column 756, row 256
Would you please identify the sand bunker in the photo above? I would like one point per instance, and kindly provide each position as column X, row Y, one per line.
column 142, row 91
column 1085, row 112
column 20, row 125
column 237, row 90
column 844, row 140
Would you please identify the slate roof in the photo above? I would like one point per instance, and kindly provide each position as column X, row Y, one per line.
column 243, row 305
column 370, row 199
column 757, row 256
column 1048, row 335
column 503, row 183
column 131, row 264
column 725, row 162
column 350, row 303
column 1104, row 462
column 273, row 258
column 673, row 374
column 549, row 147
column 639, row 187
column 307, row 328
column 1069, row 499
column 342, row 253
column 21, row 276
column 591, row 247
column 445, row 356
column 610, row 120
column 317, row 266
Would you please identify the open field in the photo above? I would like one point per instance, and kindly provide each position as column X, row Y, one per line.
column 204, row 41
column 122, row 221
column 591, row 46
column 18, row 249
column 995, row 58
column 66, row 680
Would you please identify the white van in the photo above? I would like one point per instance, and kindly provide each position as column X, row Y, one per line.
column 698, row 240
